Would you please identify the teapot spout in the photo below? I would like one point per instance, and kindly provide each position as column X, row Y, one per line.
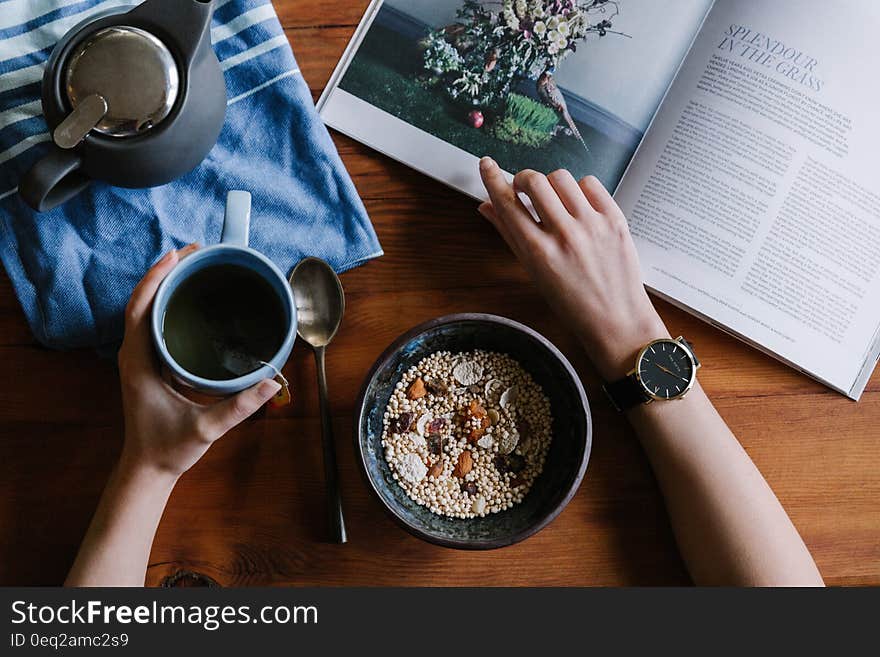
column 185, row 24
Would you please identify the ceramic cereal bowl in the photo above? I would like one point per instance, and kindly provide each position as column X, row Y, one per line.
column 568, row 453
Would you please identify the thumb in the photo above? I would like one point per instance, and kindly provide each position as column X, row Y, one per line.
column 226, row 414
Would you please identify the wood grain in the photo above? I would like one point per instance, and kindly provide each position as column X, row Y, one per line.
column 251, row 512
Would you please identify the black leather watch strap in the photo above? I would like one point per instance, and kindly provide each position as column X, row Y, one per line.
column 626, row 393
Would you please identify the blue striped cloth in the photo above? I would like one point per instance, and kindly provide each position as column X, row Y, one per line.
column 74, row 268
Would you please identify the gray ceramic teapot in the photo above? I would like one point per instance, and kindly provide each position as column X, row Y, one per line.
column 134, row 98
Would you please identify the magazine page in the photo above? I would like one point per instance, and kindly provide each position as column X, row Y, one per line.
column 542, row 84
column 754, row 198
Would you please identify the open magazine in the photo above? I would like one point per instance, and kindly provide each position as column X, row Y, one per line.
column 740, row 137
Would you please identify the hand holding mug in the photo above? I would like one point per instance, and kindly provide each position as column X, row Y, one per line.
column 164, row 431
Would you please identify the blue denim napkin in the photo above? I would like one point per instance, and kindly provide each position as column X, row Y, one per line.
column 74, row 268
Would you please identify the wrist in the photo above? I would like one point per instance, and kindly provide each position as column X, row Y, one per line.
column 132, row 468
column 615, row 353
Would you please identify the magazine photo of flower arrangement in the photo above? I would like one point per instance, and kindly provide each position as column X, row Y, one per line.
column 542, row 84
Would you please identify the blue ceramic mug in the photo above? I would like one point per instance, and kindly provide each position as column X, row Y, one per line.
column 232, row 250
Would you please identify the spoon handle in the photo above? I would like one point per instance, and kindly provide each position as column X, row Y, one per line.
column 331, row 476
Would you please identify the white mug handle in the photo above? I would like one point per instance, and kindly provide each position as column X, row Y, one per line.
column 237, row 222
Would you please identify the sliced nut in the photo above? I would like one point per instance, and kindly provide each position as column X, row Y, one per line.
column 464, row 464
column 467, row 372
column 493, row 388
column 479, row 505
column 508, row 397
column 508, row 443
column 486, row 442
column 412, row 468
column 422, row 423
column 418, row 441
column 493, row 416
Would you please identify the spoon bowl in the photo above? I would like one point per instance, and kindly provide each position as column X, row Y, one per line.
column 320, row 301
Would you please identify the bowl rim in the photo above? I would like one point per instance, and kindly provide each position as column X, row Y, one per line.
column 469, row 544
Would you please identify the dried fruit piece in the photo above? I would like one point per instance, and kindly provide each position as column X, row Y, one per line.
column 517, row 481
column 435, row 444
column 493, row 416
column 416, row 389
column 467, row 372
column 423, row 422
column 464, row 464
column 411, row 468
column 475, row 389
column 508, row 397
column 436, row 387
column 469, row 487
column 401, row 424
column 476, row 409
column 436, row 470
column 436, row 426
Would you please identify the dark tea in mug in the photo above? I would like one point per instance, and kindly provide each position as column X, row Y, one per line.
column 224, row 321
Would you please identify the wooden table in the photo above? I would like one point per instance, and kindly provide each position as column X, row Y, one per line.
column 251, row 512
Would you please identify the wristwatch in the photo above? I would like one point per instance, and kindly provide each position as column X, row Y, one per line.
column 665, row 369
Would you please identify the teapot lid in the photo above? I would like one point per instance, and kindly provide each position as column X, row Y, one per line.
column 132, row 71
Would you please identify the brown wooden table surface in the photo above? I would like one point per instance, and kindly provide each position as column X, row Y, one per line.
column 251, row 512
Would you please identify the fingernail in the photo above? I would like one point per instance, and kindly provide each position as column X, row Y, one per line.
column 486, row 163
column 268, row 388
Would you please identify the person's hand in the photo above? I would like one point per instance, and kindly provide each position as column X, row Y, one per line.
column 582, row 258
column 164, row 431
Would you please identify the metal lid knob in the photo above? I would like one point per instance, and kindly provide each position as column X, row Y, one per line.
column 132, row 71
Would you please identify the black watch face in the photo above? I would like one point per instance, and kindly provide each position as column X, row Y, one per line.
column 666, row 370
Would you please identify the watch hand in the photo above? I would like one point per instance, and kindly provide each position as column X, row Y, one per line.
column 670, row 372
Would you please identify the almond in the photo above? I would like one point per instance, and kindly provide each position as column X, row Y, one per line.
column 464, row 465
column 436, row 470
column 416, row 389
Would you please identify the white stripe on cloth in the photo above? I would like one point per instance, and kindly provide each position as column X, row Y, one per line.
column 18, row 12
column 260, row 87
column 22, row 146
column 9, row 193
column 21, row 77
column 49, row 33
column 33, row 140
column 256, row 51
column 242, row 22
column 20, row 113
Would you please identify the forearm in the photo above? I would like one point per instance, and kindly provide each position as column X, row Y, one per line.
column 116, row 548
column 730, row 527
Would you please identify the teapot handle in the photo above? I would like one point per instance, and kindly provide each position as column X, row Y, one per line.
column 53, row 180
column 187, row 22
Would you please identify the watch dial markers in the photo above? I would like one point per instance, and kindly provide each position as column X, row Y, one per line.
column 666, row 371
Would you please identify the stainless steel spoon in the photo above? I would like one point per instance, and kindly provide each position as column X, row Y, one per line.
column 320, row 304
